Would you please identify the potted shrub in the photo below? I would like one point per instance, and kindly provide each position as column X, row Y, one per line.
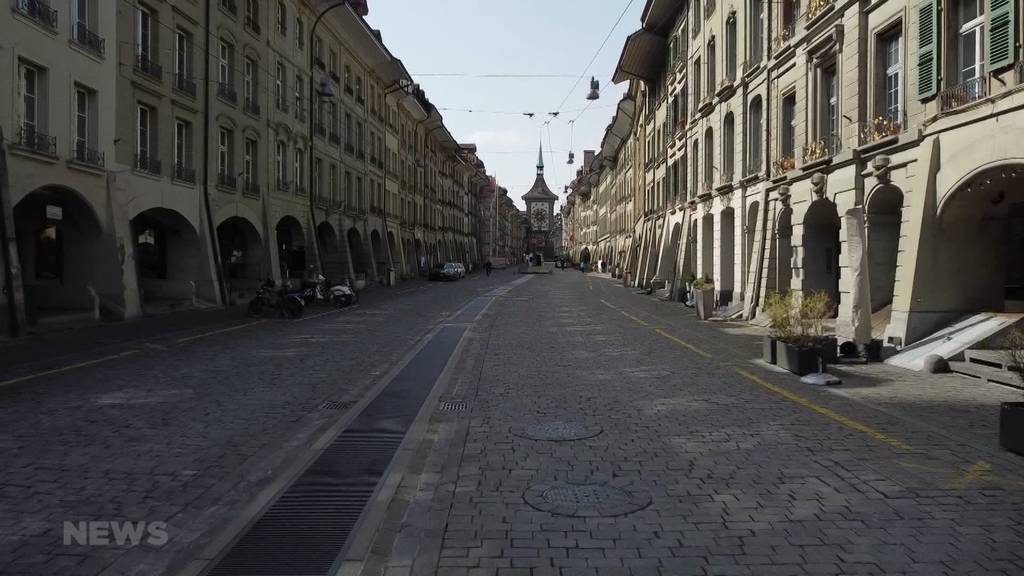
column 777, row 307
column 704, row 297
column 800, row 339
column 1011, row 414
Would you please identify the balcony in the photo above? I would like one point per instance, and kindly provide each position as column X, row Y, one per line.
column 82, row 154
column 724, row 180
column 251, row 189
column 881, row 128
column 963, row 94
column 814, row 9
column 184, row 173
column 706, row 104
column 32, row 139
column 281, row 102
column 783, row 165
column 226, row 92
column 284, row 185
column 88, row 39
column 251, row 106
column 184, row 83
column 334, row 138
column 253, row 25
column 782, row 39
column 38, row 11
column 147, row 67
column 146, row 163
column 820, row 149
column 227, row 181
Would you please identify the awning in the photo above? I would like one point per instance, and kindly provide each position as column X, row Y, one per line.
column 643, row 56
column 659, row 15
column 619, row 128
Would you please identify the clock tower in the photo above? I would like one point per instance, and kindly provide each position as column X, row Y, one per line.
column 540, row 210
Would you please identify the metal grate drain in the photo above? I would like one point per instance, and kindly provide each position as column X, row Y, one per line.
column 555, row 431
column 337, row 404
column 454, row 406
column 590, row 499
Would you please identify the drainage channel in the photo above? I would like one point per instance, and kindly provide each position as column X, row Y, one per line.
column 305, row 530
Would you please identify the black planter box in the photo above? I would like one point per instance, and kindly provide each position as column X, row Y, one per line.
column 1011, row 427
column 799, row 360
column 828, row 347
column 769, row 350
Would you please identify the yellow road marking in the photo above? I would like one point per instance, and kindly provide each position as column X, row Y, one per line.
column 682, row 343
column 221, row 331
column 977, row 471
column 68, row 367
column 849, row 423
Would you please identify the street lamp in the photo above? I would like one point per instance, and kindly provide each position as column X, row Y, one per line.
column 323, row 91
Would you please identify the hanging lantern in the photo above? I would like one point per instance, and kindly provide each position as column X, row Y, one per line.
column 572, row 158
column 595, row 88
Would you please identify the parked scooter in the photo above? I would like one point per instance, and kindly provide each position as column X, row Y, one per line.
column 269, row 296
column 339, row 295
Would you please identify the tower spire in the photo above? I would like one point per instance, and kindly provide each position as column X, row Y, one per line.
column 540, row 159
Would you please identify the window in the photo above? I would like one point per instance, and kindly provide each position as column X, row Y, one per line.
column 281, row 86
column 318, row 171
column 249, row 156
column 333, row 184
column 728, row 146
column 30, row 100
column 709, row 157
column 182, row 54
column 696, row 82
column 282, row 18
column 711, row 67
column 280, row 164
column 145, row 139
column 695, row 169
column 225, row 153
column 300, row 34
column 252, row 15
column 182, row 146
column 144, row 45
column 890, row 65
column 332, row 62
column 968, row 35
column 730, row 47
column 828, row 121
column 298, row 94
column 789, row 15
column 249, row 81
column 300, row 168
column 788, row 126
column 349, row 191
column 756, row 30
column 85, row 126
column 360, row 201
column 361, row 137
column 754, row 137
column 349, row 142
column 348, row 78
column 225, row 63
column 318, row 51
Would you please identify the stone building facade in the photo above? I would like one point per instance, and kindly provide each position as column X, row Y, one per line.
column 866, row 150
column 166, row 155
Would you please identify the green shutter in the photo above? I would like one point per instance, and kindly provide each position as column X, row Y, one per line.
column 927, row 49
column 1001, row 33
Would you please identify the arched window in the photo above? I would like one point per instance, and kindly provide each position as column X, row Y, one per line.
column 728, row 147
column 754, row 137
column 730, row 47
column 695, row 170
column 711, row 67
column 756, row 20
column 709, row 158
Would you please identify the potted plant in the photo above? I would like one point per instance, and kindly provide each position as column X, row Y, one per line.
column 1011, row 414
column 777, row 307
column 704, row 297
column 798, row 327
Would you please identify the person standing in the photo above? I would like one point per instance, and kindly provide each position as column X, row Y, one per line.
column 487, row 267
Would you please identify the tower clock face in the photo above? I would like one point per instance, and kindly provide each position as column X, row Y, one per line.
column 539, row 215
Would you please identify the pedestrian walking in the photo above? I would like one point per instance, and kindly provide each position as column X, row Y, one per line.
column 487, row 267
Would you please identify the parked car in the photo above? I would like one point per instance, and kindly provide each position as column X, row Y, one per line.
column 451, row 271
column 461, row 268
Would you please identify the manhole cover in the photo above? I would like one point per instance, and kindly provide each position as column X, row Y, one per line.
column 453, row 406
column 555, row 431
column 337, row 404
column 586, row 499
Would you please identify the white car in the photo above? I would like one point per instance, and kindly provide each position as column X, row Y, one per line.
column 462, row 269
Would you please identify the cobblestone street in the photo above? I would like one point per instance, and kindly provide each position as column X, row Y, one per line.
column 731, row 468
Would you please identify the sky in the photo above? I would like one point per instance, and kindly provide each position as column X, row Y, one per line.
column 448, row 44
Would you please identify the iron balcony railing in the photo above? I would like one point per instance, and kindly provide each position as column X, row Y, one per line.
column 252, row 106
column 963, row 94
column 227, row 92
column 148, row 67
column 32, row 139
column 825, row 147
column 184, row 173
column 251, row 189
column 225, row 180
column 881, row 127
column 38, row 11
column 146, row 163
column 88, row 39
column 184, row 83
column 85, row 155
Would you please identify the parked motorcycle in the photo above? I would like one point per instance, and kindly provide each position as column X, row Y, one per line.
column 270, row 297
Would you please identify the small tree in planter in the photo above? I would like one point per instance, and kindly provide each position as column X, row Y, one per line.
column 1011, row 414
column 798, row 331
column 778, row 307
column 704, row 297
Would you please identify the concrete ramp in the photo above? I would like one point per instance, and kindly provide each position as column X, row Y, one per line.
column 953, row 340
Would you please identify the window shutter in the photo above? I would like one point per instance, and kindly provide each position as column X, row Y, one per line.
column 927, row 49
column 1001, row 33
